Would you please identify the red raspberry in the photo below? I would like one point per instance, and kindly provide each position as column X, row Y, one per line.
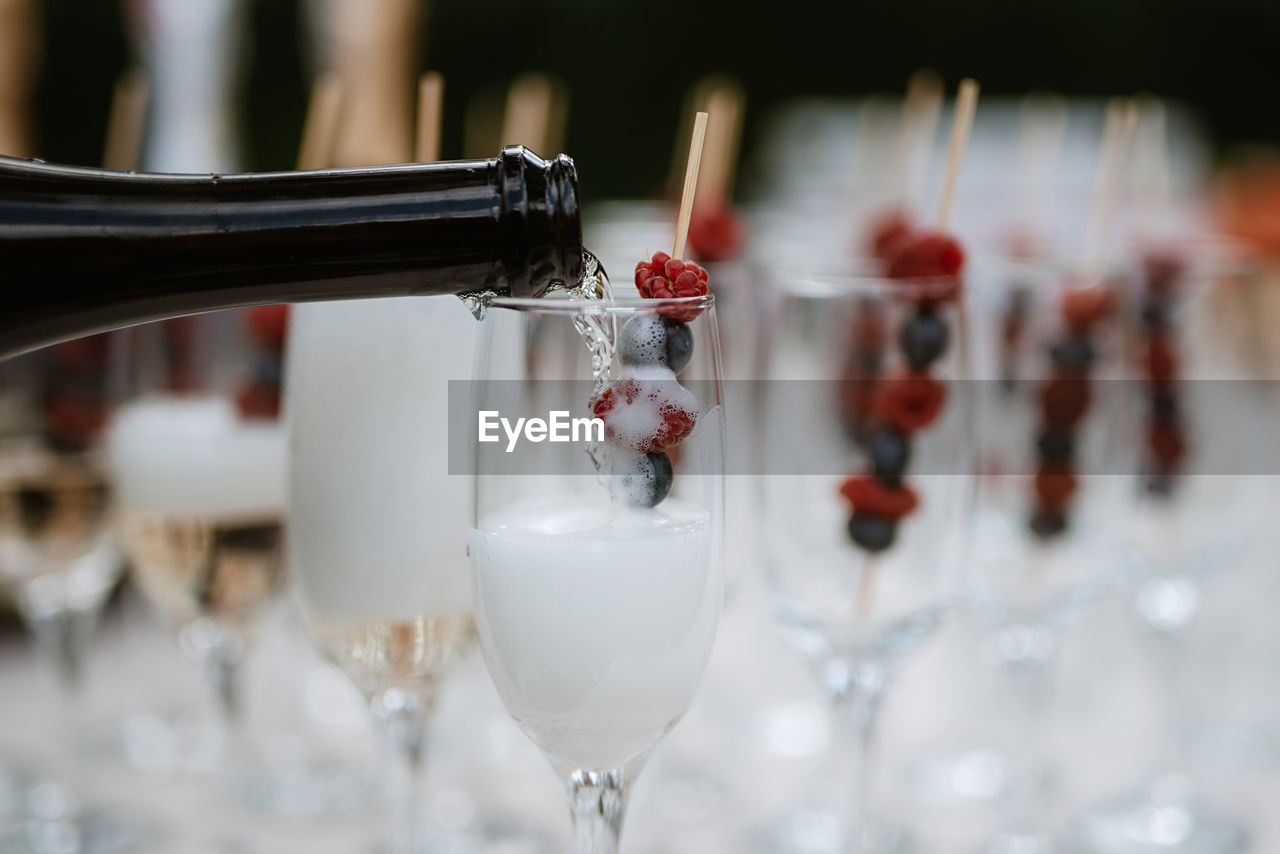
column 258, row 400
column 1159, row 359
column 1167, row 444
column 870, row 495
column 268, row 324
column 909, row 400
column 715, row 233
column 1082, row 307
column 1065, row 399
column 926, row 254
column 888, row 232
column 665, row 277
column 675, row 410
column 73, row 422
column 1055, row 484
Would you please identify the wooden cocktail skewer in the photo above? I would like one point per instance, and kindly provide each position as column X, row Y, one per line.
column 319, row 133
column 373, row 52
column 1116, row 138
column 127, row 121
column 690, row 184
column 1153, row 185
column 426, row 148
column 530, row 107
column 920, row 110
column 1044, row 121
column 19, row 57
column 961, row 125
column 719, row 160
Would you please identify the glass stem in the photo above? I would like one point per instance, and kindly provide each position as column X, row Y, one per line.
column 859, row 712
column 401, row 719
column 218, row 651
column 1030, row 681
column 1165, row 651
column 597, row 806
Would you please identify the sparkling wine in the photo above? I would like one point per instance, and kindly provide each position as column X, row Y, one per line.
column 193, row 566
column 596, row 621
column 201, row 498
column 409, row 654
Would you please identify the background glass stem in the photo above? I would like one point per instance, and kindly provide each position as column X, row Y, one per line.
column 401, row 719
column 859, row 713
column 1030, row 681
column 597, row 805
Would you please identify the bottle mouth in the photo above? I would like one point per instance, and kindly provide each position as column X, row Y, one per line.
column 542, row 221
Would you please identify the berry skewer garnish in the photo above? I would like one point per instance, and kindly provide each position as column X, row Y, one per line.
column 1064, row 402
column 646, row 411
column 912, row 399
column 1066, row 396
column 1166, row 438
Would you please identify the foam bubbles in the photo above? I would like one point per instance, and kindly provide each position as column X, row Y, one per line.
column 194, row 457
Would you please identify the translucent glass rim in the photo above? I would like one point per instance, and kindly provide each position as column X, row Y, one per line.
column 835, row 284
column 617, row 305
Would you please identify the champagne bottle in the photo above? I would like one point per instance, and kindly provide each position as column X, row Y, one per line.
column 85, row 250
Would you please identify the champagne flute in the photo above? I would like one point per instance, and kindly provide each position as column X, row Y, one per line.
column 597, row 590
column 59, row 562
column 860, row 594
column 1199, row 435
column 1046, row 499
column 377, row 525
column 197, row 460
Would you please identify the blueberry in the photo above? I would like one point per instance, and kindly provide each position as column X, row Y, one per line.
column 1056, row 446
column 871, row 532
column 650, row 339
column 645, row 480
column 1159, row 484
column 1164, row 404
column 1073, row 353
column 1155, row 315
column 1046, row 524
column 890, row 453
column 643, row 341
column 923, row 339
column 679, row 344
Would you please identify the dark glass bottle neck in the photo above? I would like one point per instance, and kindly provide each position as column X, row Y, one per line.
column 83, row 250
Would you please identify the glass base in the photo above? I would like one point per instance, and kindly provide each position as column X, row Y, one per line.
column 691, row 795
column 302, row 787
column 815, row 830
column 976, row 775
column 45, row 818
column 1021, row 843
column 487, row 835
column 1164, row 817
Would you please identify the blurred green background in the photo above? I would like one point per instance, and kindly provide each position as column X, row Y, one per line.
column 628, row 63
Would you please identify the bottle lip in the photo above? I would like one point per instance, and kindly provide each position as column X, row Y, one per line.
column 627, row 306
column 542, row 220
